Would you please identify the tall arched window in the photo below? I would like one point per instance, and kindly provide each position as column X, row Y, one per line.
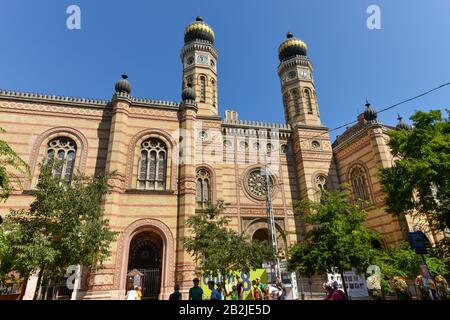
column 65, row 150
column 296, row 98
column 214, row 91
column 309, row 101
column 321, row 185
column 152, row 165
column 202, row 89
column 286, row 106
column 203, row 188
column 359, row 184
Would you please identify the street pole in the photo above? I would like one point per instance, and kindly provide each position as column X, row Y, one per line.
column 271, row 222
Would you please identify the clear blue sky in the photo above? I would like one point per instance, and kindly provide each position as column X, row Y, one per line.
column 408, row 56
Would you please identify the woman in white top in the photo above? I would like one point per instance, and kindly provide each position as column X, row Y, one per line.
column 132, row 294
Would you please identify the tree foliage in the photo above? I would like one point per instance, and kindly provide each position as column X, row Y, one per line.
column 419, row 181
column 64, row 226
column 338, row 239
column 11, row 166
column 220, row 250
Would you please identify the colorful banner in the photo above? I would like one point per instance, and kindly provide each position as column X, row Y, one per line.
column 230, row 281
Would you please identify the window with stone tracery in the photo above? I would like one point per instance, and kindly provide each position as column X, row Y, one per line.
column 203, row 188
column 152, row 165
column 296, row 98
column 359, row 184
column 309, row 101
column 65, row 151
column 213, row 83
column 256, row 183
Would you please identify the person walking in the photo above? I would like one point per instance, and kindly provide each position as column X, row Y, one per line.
column 239, row 287
column 139, row 293
column 196, row 293
column 215, row 294
column 255, row 291
column 132, row 294
column 176, row 295
column 261, row 287
column 233, row 294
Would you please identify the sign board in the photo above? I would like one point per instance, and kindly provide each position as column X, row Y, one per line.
column 230, row 281
column 356, row 284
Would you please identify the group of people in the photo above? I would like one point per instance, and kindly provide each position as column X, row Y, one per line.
column 219, row 291
column 134, row 293
column 333, row 292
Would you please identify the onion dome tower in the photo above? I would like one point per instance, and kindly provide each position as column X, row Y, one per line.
column 199, row 30
column 292, row 47
column 402, row 125
column 370, row 115
column 188, row 94
column 297, row 83
column 199, row 58
column 123, row 85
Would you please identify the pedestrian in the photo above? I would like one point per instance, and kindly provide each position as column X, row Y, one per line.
column 176, row 295
column 132, row 294
column 196, row 293
column 139, row 293
column 333, row 283
column 255, row 291
column 233, row 294
column 215, row 294
column 239, row 287
column 223, row 291
column 262, row 288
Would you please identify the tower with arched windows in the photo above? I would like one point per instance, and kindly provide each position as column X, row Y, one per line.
column 297, row 83
column 199, row 59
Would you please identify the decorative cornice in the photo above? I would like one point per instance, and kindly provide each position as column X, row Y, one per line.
column 295, row 61
column 356, row 132
column 255, row 124
column 154, row 103
column 28, row 96
column 200, row 45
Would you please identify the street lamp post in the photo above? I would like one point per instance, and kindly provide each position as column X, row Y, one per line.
column 271, row 224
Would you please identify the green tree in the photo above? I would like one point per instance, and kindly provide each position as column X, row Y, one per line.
column 64, row 226
column 338, row 239
column 11, row 166
column 418, row 183
column 220, row 250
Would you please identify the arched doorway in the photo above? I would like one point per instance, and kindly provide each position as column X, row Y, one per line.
column 261, row 235
column 146, row 255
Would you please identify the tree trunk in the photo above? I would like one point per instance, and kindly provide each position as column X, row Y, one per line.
column 344, row 285
column 37, row 292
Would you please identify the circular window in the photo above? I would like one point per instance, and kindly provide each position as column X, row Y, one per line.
column 256, row 146
column 256, row 183
column 315, row 145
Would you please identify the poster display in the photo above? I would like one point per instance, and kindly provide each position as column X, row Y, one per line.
column 356, row 284
column 230, row 281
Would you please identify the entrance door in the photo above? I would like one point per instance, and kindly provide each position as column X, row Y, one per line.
column 145, row 255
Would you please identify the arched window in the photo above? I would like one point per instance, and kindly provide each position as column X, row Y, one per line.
column 65, row 150
column 202, row 89
column 321, row 183
column 152, row 165
column 359, row 184
column 296, row 98
column 286, row 106
column 188, row 82
column 309, row 101
column 203, row 188
column 214, row 97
